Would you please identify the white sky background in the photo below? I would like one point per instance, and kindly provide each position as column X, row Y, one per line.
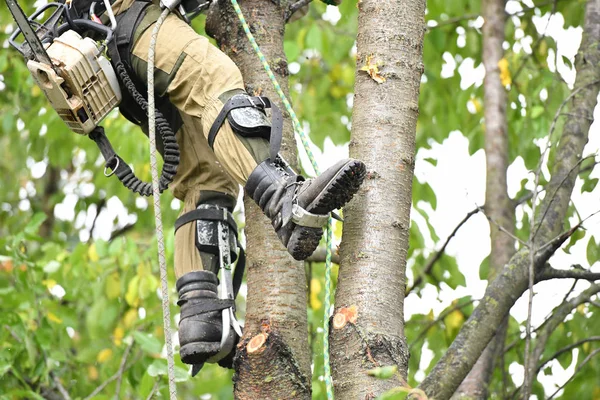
column 459, row 183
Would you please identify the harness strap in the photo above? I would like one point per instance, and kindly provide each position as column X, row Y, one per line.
column 256, row 102
column 211, row 214
column 205, row 214
column 204, row 306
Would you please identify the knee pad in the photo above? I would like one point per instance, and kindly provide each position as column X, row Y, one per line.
column 247, row 116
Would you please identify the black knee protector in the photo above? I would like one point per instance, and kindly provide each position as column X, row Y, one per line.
column 247, row 116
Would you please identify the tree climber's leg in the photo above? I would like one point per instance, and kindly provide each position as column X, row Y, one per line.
column 200, row 181
column 201, row 80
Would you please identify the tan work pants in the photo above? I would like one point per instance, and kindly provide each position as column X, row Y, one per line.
column 194, row 73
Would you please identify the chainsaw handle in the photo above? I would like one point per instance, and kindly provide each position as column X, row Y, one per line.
column 53, row 18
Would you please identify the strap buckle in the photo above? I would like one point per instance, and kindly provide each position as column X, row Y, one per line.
column 261, row 105
column 304, row 218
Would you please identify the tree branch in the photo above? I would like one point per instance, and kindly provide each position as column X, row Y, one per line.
column 457, row 20
column 295, row 7
column 579, row 368
column 550, row 326
column 566, row 349
column 439, row 319
column 433, row 258
column 117, row 375
column 577, row 272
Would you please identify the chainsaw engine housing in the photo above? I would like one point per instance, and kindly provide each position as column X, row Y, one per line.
column 86, row 89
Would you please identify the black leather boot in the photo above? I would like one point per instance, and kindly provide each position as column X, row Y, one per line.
column 201, row 328
column 299, row 208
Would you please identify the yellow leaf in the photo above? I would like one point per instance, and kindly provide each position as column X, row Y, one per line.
column 581, row 309
column 133, row 292
column 454, row 320
column 372, row 68
column 586, row 348
column 504, row 72
column 130, row 318
column 49, row 283
column 104, row 355
column 118, row 335
column 315, row 289
column 52, row 317
column 113, row 286
column 92, row 373
column 35, row 91
column 92, row 253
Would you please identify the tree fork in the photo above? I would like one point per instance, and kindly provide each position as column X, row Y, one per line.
column 513, row 280
column 276, row 283
column 375, row 239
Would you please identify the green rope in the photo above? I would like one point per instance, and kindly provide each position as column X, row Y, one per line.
column 311, row 157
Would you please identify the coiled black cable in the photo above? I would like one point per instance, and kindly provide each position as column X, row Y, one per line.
column 171, row 147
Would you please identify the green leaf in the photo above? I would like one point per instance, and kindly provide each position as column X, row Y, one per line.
column 34, row 225
column 589, row 185
column 148, row 343
column 592, row 251
column 159, row 367
column 537, row 111
column 383, row 372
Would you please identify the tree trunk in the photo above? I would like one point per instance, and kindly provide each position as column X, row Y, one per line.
column 498, row 205
column 276, row 303
column 375, row 239
column 513, row 280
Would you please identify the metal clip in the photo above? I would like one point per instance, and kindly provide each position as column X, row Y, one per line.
column 113, row 169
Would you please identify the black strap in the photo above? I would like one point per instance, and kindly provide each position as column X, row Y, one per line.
column 257, row 102
column 171, row 147
column 238, row 274
column 206, row 214
column 204, row 306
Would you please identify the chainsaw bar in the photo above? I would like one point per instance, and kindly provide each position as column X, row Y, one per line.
column 34, row 42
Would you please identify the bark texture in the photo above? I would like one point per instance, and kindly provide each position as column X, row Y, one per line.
column 498, row 205
column 513, row 280
column 375, row 239
column 276, row 303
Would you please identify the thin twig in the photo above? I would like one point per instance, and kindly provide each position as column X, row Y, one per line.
column 539, row 224
column 579, row 367
column 122, row 369
column 438, row 254
column 565, row 349
column 438, row 319
column 537, row 42
column 457, row 20
column 114, row 377
column 60, row 387
column 503, row 229
column 154, row 389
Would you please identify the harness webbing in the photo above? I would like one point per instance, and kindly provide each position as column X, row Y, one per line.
column 298, row 129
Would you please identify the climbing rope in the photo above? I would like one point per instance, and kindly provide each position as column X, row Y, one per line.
column 304, row 139
column 157, row 214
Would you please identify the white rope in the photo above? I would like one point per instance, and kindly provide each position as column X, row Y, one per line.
column 157, row 215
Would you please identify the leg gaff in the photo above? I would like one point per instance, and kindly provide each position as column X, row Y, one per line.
column 208, row 329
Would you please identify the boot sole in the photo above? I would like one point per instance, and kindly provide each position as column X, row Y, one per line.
column 198, row 352
column 341, row 189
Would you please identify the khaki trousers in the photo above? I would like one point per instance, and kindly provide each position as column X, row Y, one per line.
column 194, row 73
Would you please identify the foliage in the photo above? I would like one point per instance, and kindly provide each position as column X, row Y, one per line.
column 74, row 309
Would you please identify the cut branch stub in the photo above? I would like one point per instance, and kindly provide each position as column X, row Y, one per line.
column 255, row 344
column 345, row 315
